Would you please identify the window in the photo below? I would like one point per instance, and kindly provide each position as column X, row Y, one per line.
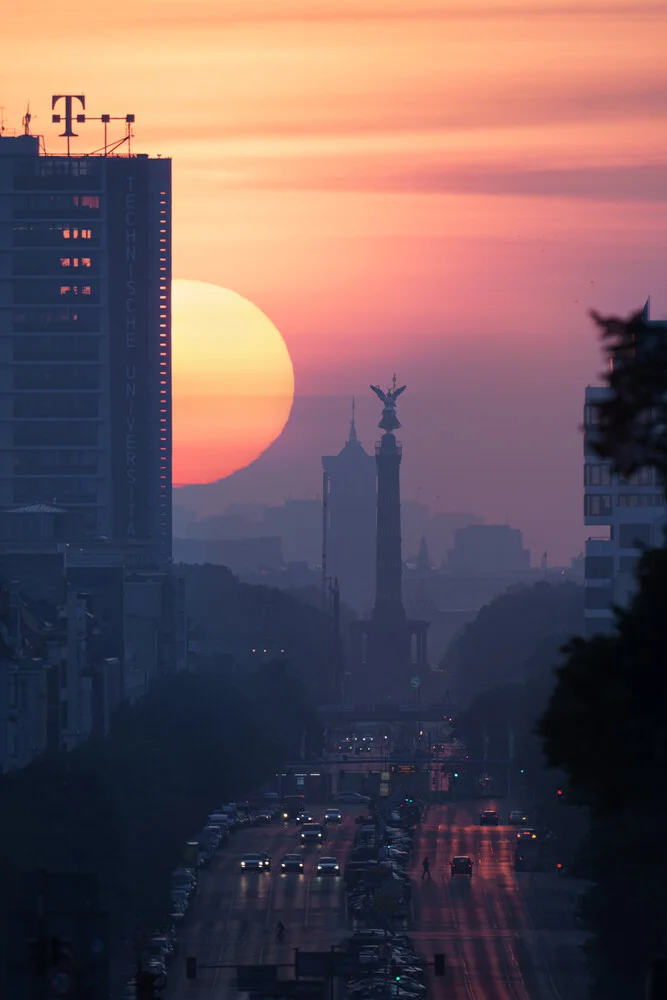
column 597, row 474
column 56, row 319
column 628, row 564
column 35, row 206
column 597, row 505
column 634, row 536
column 52, row 234
column 642, row 477
column 46, row 290
column 59, row 348
column 32, row 433
column 84, row 262
column 598, row 598
column 641, row 500
column 62, row 404
column 68, row 490
column 34, row 462
column 599, row 567
column 56, row 377
column 591, row 415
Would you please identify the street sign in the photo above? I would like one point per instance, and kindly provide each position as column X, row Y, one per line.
column 385, row 776
column 414, row 683
column 384, row 789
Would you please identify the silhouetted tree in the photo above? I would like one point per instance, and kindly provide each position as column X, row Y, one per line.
column 496, row 648
column 605, row 722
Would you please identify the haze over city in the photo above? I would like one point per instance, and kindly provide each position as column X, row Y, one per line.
column 333, row 503
column 439, row 189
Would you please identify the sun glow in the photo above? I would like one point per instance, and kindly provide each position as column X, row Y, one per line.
column 233, row 382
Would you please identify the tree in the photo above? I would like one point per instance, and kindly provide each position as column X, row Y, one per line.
column 605, row 723
column 496, row 647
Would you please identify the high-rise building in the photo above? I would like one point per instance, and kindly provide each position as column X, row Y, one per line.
column 629, row 515
column 348, row 495
column 85, row 341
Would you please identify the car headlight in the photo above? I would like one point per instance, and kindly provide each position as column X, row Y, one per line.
column 300, row 864
column 285, row 816
column 319, row 835
column 283, row 865
column 337, row 867
column 243, row 864
column 319, row 868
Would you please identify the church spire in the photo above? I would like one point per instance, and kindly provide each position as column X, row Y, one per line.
column 353, row 429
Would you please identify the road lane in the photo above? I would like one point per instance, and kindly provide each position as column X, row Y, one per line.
column 489, row 927
column 234, row 916
column 506, row 936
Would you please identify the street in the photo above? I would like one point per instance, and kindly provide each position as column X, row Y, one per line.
column 506, row 936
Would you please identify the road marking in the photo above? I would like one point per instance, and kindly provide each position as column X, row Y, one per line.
column 306, row 908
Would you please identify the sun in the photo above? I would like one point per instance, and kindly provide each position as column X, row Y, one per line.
column 232, row 382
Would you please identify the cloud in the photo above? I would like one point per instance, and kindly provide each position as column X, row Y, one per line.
column 266, row 12
column 639, row 182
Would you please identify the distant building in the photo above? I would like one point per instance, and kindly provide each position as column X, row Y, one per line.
column 628, row 515
column 349, row 496
column 85, row 341
column 487, row 548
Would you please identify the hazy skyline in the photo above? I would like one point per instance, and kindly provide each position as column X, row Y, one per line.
column 434, row 188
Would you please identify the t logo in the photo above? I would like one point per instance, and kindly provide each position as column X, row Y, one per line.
column 68, row 117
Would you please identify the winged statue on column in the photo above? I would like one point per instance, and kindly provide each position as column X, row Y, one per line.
column 390, row 421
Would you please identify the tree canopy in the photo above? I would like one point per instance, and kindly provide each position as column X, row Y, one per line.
column 499, row 646
column 122, row 808
column 605, row 722
column 237, row 618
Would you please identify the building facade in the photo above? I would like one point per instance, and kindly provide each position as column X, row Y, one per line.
column 85, row 341
column 628, row 515
column 349, row 516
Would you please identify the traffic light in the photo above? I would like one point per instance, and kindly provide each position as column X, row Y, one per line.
column 561, row 794
column 147, row 988
column 521, row 771
column 456, row 774
column 439, row 964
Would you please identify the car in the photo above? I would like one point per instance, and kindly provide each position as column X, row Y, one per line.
column 461, row 865
column 304, row 817
column 332, row 816
column 517, row 818
column 527, row 833
column 352, row 798
column 256, row 863
column 291, row 863
column 328, row 866
column 264, row 816
column 313, row 833
column 489, row 817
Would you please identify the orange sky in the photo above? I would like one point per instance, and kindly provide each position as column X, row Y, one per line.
column 426, row 185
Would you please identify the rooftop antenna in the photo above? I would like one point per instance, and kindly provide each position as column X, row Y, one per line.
column 25, row 121
column 2, row 118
